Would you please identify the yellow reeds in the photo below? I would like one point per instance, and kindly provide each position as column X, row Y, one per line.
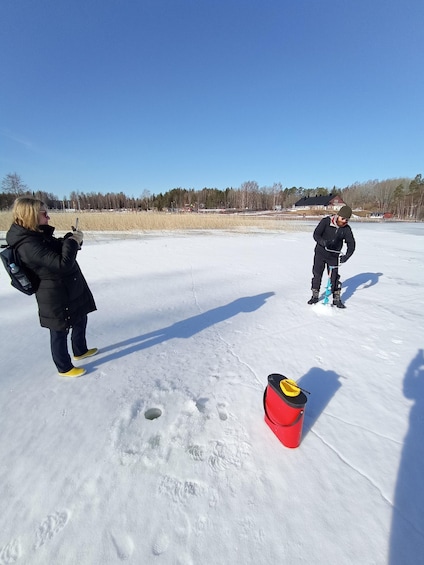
column 159, row 221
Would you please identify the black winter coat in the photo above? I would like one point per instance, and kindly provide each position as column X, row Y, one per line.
column 63, row 295
column 328, row 234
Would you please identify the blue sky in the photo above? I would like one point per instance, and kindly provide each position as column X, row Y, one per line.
column 126, row 95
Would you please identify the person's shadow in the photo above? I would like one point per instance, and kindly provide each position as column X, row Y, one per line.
column 322, row 386
column 359, row 282
column 183, row 329
column 407, row 532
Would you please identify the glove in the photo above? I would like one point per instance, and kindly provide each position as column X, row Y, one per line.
column 78, row 236
column 322, row 242
column 343, row 259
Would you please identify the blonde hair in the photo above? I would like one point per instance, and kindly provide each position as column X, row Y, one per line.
column 25, row 212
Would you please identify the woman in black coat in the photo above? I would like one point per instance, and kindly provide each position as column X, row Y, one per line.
column 63, row 296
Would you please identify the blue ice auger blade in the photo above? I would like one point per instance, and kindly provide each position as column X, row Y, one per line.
column 327, row 291
column 330, row 270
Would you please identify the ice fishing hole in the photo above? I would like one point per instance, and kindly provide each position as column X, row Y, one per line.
column 152, row 413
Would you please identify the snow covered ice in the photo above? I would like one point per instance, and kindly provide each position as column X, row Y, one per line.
column 189, row 326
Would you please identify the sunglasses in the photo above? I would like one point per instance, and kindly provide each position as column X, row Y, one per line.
column 44, row 213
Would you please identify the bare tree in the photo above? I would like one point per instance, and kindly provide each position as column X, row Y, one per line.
column 384, row 192
column 12, row 184
column 416, row 197
column 248, row 189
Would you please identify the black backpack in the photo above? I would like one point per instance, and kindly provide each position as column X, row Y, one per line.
column 21, row 277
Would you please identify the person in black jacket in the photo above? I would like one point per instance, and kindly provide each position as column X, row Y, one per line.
column 330, row 234
column 63, row 296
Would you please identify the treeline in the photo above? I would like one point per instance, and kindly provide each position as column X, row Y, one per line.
column 403, row 197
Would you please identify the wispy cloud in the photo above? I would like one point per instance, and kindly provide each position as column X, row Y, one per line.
column 17, row 139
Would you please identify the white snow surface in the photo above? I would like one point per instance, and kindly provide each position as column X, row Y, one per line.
column 191, row 325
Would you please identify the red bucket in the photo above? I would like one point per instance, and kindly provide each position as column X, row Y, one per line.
column 284, row 414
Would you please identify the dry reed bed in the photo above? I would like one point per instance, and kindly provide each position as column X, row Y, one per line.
column 157, row 221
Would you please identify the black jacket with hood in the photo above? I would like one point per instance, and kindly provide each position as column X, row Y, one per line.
column 329, row 235
column 63, row 295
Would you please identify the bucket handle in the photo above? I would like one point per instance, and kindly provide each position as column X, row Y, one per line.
column 275, row 423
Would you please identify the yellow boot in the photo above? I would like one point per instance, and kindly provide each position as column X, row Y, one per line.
column 88, row 353
column 74, row 372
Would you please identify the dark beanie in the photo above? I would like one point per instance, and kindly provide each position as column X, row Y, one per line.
column 345, row 212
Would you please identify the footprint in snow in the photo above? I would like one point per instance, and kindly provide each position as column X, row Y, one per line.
column 124, row 545
column 51, row 526
column 161, row 543
column 201, row 404
column 10, row 553
column 225, row 455
column 222, row 411
column 179, row 491
column 174, row 533
column 196, row 452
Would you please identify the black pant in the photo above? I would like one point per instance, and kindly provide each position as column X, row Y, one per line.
column 320, row 261
column 59, row 345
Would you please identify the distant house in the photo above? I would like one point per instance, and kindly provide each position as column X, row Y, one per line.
column 330, row 202
column 381, row 216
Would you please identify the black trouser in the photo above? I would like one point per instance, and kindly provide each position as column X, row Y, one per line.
column 321, row 259
column 59, row 345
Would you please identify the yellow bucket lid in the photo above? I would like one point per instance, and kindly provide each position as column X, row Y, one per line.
column 289, row 387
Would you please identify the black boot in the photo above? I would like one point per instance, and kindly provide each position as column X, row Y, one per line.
column 315, row 296
column 337, row 300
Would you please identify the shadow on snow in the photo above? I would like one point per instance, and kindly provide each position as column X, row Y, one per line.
column 407, row 531
column 359, row 282
column 322, row 385
column 183, row 329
